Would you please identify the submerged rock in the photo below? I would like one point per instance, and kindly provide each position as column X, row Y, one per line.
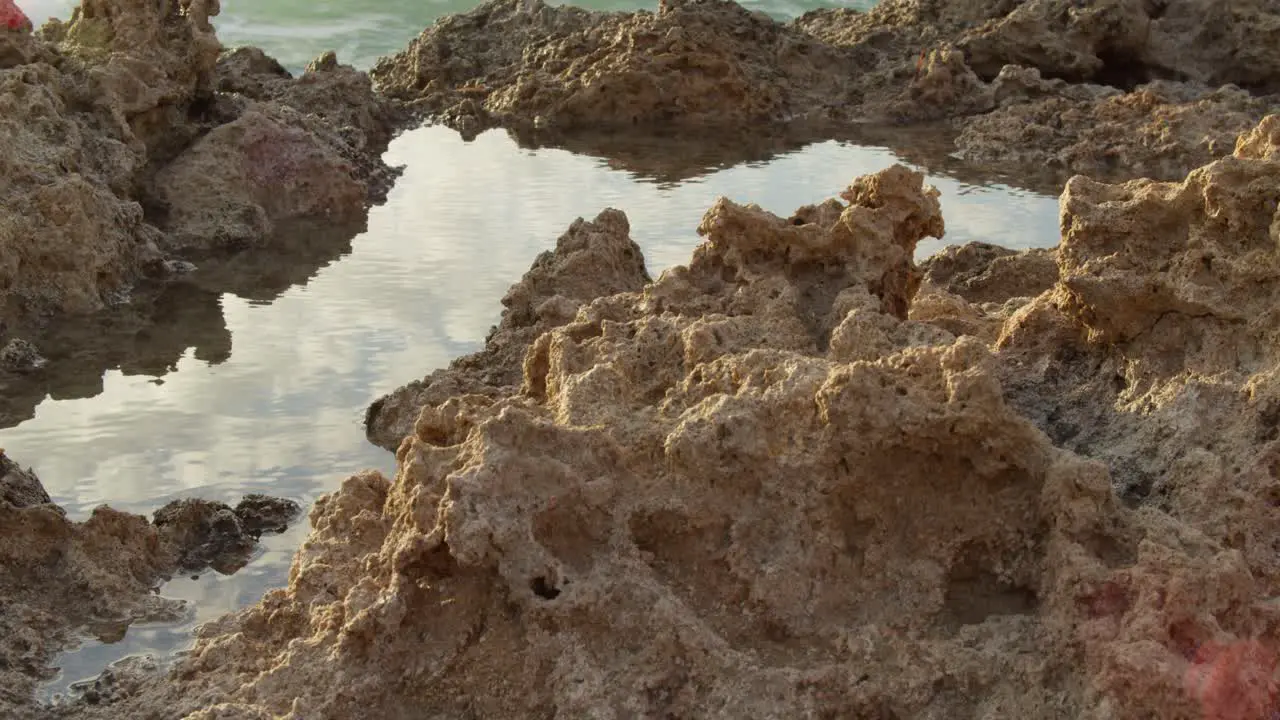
column 18, row 355
column 786, row 480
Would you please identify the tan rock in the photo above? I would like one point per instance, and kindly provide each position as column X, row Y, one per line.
column 693, row 63
column 752, row 488
column 985, row 273
column 591, row 260
column 1049, row 69
column 268, row 165
column 60, row 580
column 93, row 110
column 1158, row 131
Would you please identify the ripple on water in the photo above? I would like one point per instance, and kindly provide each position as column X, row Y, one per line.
column 277, row 407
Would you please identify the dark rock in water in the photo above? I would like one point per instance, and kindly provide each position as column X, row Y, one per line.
column 260, row 514
column 20, row 356
column 118, row 681
column 206, row 533
column 18, row 487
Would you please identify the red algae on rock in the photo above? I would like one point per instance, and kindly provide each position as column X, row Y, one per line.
column 785, row 480
column 12, row 17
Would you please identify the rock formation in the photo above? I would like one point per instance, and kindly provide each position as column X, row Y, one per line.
column 591, row 260
column 701, row 65
column 786, row 480
column 138, row 143
column 693, row 63
column 1157, row 131
column 60, row 578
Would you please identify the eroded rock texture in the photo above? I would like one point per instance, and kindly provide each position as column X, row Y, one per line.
column 699, row 62
column 591, row 260
column 60, row 579
column 1048, row 71
column 126, row 140
column 1158, row 131
column 785, row 480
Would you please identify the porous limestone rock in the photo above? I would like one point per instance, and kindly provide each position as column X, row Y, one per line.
column 699, row 65
column 591, row 259
column 266, row 166
column 984, row 273
column 1156, row 349
column 771, row 484
column 693, row 62
column 1128, row 42
column 1158, row 131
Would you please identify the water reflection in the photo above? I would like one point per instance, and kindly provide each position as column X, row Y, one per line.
column 272, row 399
column 669, row 159
column 162, row 322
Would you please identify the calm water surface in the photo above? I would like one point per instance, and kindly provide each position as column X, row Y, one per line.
column 270, row 392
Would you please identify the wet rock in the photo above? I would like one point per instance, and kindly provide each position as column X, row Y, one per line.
column 205, row 533
column 259, row 514
column 57, row 575
column 61, row 579
column 591, row 260
column 20, row 488
column 118, row 681
column 18, row 355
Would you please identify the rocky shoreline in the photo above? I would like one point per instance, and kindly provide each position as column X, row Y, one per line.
column 800, row 475
column 59, row 578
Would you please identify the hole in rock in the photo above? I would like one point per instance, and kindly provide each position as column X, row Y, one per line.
column 974, row 593
column 544, row 589
column 1122, row 68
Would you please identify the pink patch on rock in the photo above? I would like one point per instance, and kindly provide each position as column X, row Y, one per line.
column 12, row 17
column 1234, row 681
